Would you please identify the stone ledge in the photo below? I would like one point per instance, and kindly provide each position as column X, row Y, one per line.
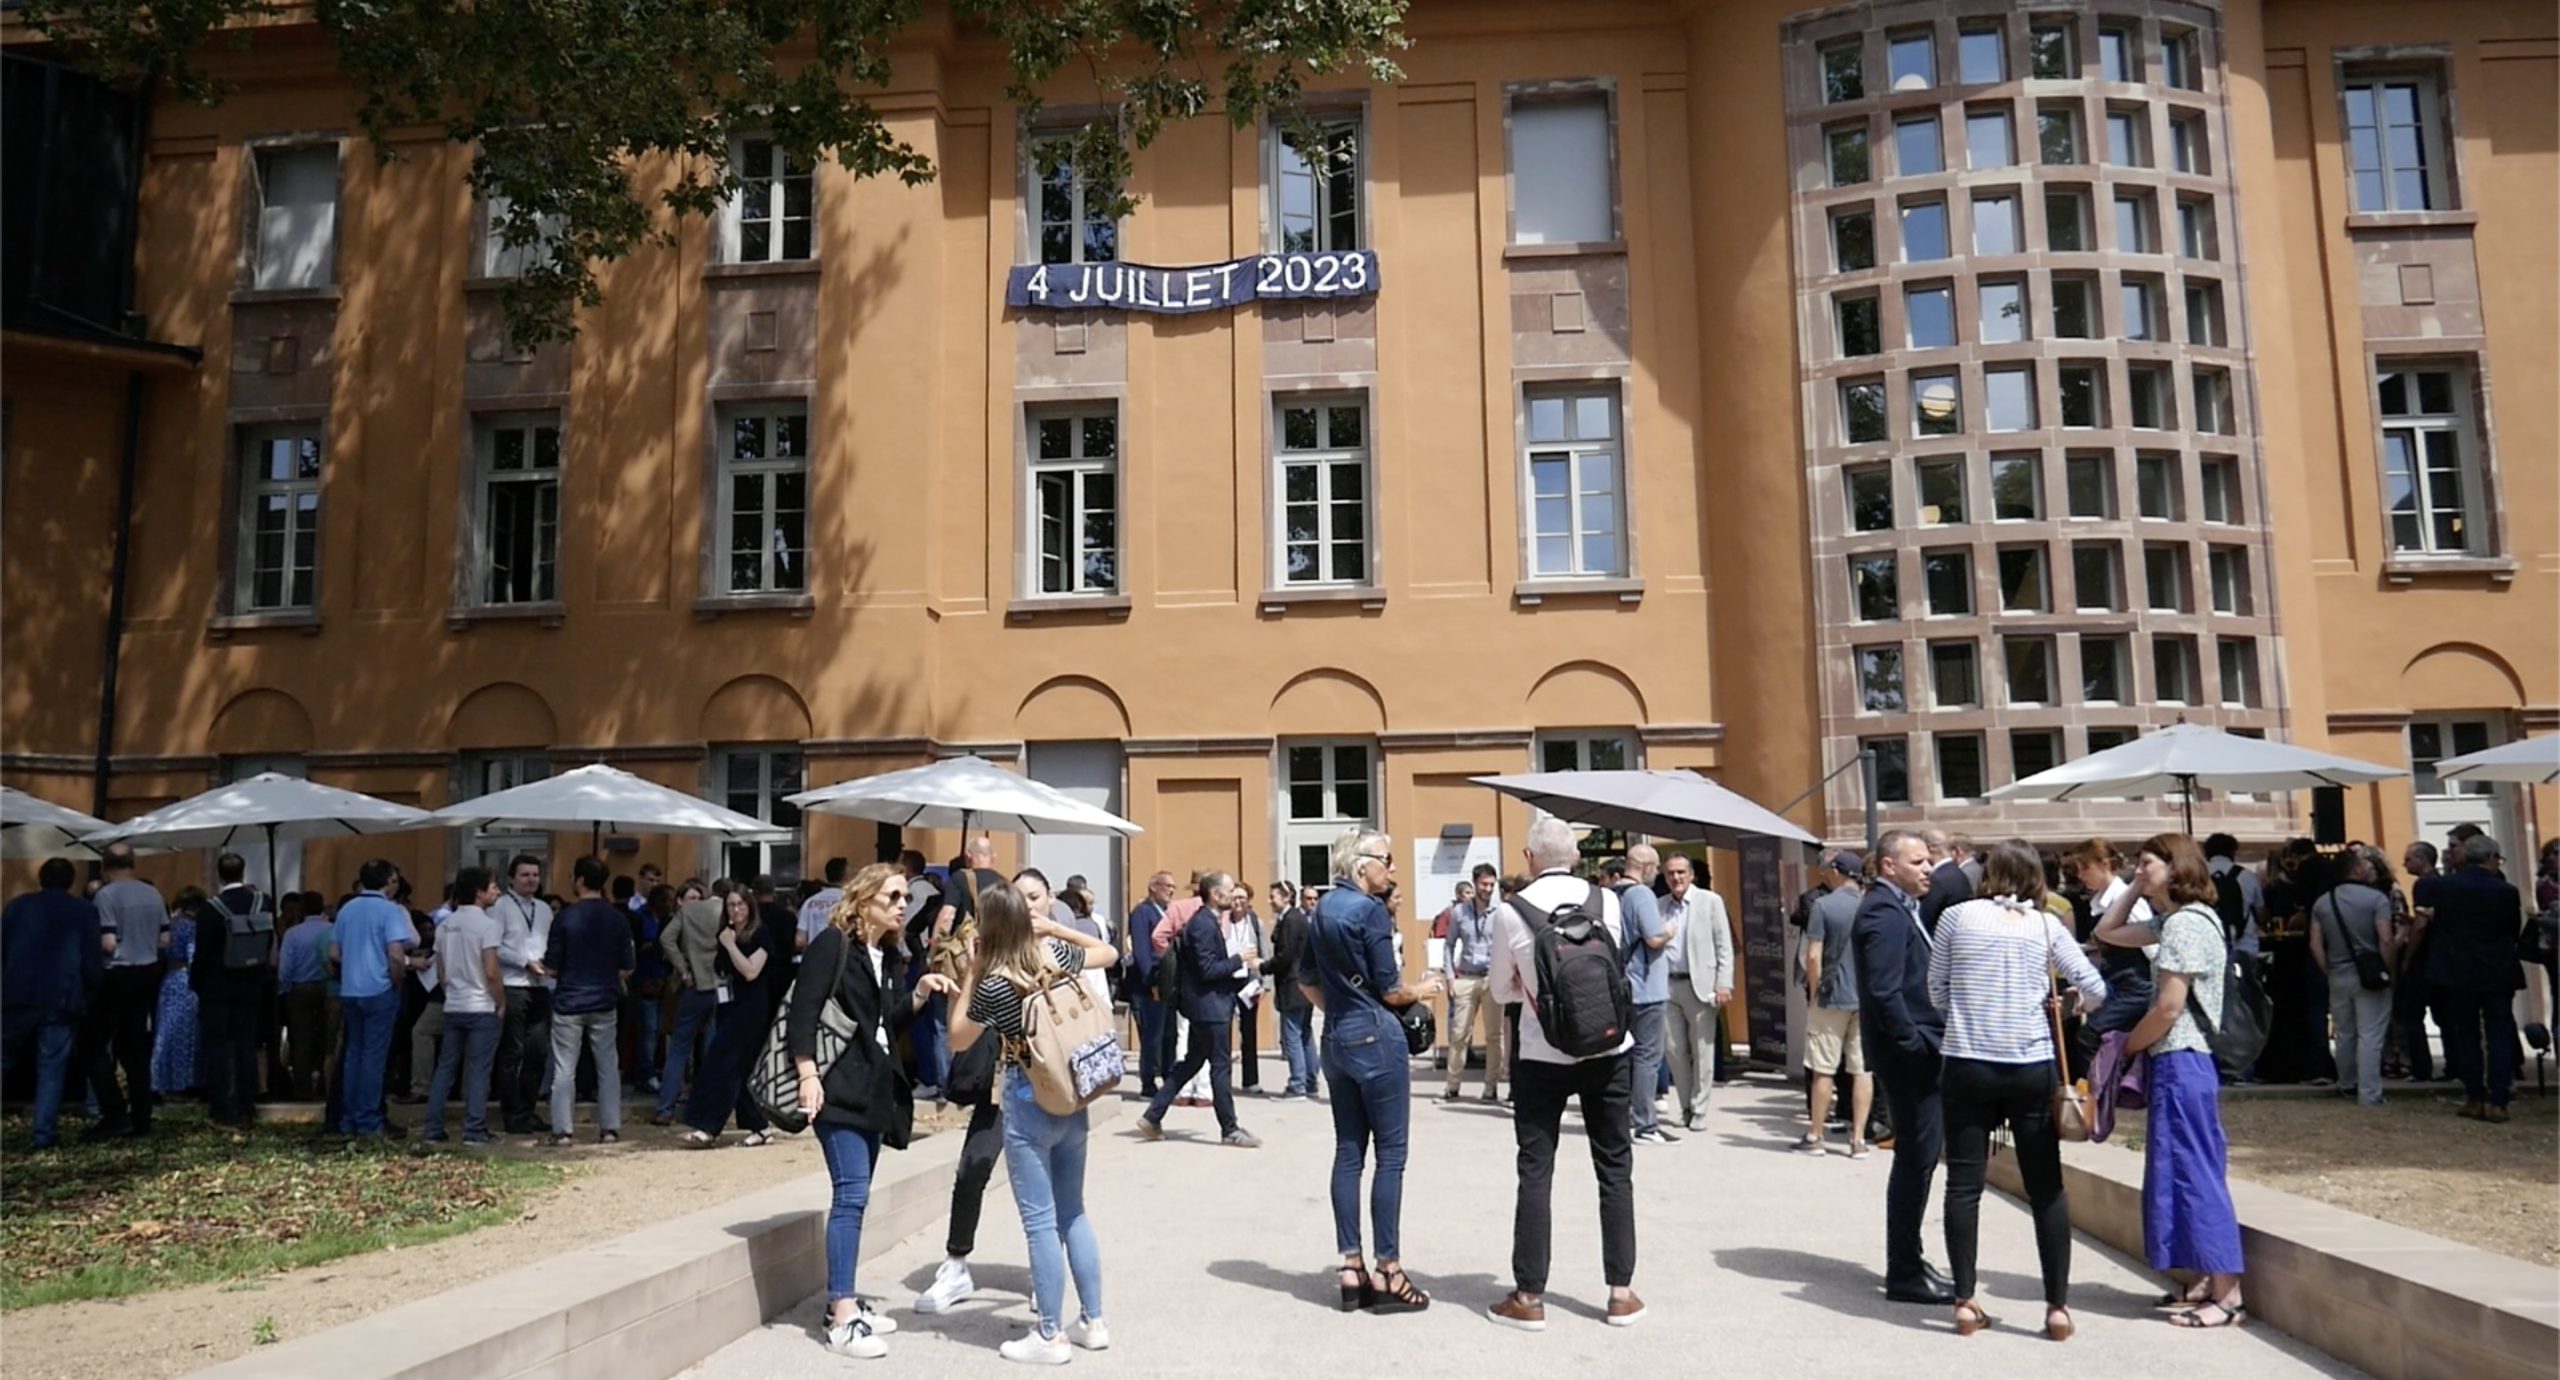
column 2399, row 1304
column 648, row 1303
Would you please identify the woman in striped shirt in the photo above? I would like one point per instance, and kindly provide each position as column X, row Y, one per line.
column 1991, row 971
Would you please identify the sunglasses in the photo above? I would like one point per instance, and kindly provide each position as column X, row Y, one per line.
column 896, row 896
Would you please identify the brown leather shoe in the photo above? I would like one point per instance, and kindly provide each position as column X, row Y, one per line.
column 1520, row 1311
column 1623, row 1312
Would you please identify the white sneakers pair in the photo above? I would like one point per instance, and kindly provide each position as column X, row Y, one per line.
column 1032, row 1349
column 860, row 1336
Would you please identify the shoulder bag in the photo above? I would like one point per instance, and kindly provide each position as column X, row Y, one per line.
column 775, row 1080
column 2070, row 1100
column 1421, row 1028
column 1068, row 1048
column 2370, row 970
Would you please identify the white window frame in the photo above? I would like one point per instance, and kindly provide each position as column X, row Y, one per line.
column 1579, row 744
column 498, row 259
column 1318, row 831
column 2236, row 667
column 2470, row 469
column 1603, row 95
column 1284, row 164
column 1078, row 471
column 1577, row 454
column 1867, row 656
column 776, row 201
column 781, row 859
column 772, row 467
column 2194, row 673
column 488, row 481
column 2422, row 770
column 269, row 271
column 304, row 505
column 1324, row 459
column 1087, row 204
column 2427, row 92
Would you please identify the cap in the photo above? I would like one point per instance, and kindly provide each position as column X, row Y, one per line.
column 1846, row 863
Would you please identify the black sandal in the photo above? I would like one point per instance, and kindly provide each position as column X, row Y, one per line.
column 1393, row 1291
column 2232, row 1315
column 2201, row 1292
column 1353, row 1276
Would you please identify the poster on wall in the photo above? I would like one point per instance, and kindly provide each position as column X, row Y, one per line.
column 1440, row 862
column 1180, row 291
column 1764, row 949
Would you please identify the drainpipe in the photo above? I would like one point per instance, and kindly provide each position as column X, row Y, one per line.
column 137, row 393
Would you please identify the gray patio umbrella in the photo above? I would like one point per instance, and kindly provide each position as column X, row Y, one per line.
column 1674, row 804
column 2531, row 761
column 2185, row 756
column 269, row 806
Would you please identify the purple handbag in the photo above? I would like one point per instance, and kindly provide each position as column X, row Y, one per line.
column 2121, row 1079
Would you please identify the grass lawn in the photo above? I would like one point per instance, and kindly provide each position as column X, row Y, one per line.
column 195, row 1202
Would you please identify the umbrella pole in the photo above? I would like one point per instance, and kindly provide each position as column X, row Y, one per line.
column 2187, row 802
column 271, row 867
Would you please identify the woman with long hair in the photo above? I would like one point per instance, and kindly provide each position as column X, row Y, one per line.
column 863, row 1101
column 2122, row 959
column 2187, row 1220
column 1022, row 951
column 738, row 1029
column 1990, row 970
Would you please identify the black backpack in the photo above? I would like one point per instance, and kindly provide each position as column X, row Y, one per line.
column 1584, row 1003
column 2231, row 903
column 246, row 939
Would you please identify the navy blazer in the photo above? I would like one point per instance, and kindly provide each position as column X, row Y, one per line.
column 1893, row 978
column 1138, row 946
column 1948, row 886
column 1211, row 976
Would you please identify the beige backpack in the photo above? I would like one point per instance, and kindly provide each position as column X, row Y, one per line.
column 1069, row 1047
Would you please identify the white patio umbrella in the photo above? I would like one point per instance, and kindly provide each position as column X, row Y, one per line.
column 598, row 797
column 2533, row 761
column 964, row 793
column 34, row 827
column 2185, row 756
column 1673, row 804
column 269, row 806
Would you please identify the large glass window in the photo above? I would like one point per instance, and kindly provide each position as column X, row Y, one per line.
column 2090, row 476
column 2106, row 674
column 1844, row 72
column 1325, row 788
column 279, row 536
column 1982, row 56
column 2030, row 665
column 1893, row 768
column 1955, row 679
column 764, row 490
column 2010, row 398
column 1960, row 774
column 1880, row 679
column 1075, row 500
column 1845, row 146
column 501, row 259
column 1931, row 314
column 2097, row 577
column 2395, row 142
column 773, row 218
column 2024, row 584
column 1862, row 411
column 1075, row 221
column 1560, row 184
column 518, row 536
column 1316, row 181
column 1853, row 240
column 1988, row 140
column 1941, row 484
column 1949, row 576
column 1870, row 490
column 1912, row 58
column 1924, row 231
column 754, row 779
column 2058, row 134
column 1576, row 483
column 2003, row 307
column 1874, row 586
column 1917, row 147
column 297, row 231
column 2430, row 460
column 1324, row 490
column 1861, row 325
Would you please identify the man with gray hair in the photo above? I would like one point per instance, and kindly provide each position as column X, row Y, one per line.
column 1211, row 976
column 2473, row 918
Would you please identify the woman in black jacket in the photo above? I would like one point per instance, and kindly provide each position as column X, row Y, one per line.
column 863, row 1100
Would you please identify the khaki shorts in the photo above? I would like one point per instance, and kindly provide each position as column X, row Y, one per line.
column 1831, row 1043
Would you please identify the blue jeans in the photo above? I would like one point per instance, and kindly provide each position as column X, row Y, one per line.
column 53, row 1039
column 851, row 1155
column 1044, row 1156
column 1298, row 1046
column 470, row 1046
column 644, row 1015
column 693, row 1007
column 1151, row 1060
column 1648, row 1052
column 928, row 1038
column 368, row 1022
column 1372, row 1082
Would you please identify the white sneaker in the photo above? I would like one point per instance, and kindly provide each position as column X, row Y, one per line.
column 1090, row 1334
column 853, row 1337
column 881, row 1324
column 951, row 1287
column 1032, row 1349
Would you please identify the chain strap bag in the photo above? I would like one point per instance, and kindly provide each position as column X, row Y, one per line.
column 775, row 1080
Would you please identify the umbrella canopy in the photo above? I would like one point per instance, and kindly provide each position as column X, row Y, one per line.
column 597, row 798
column 2183, row 757
column 268, row 808
column 33, row 827
column 964, row 793
column 2533, row 761
column 1673, row 804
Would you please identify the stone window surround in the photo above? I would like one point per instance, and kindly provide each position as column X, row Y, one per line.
column 228, row 617
column 712, row 598
column 1515, row 93
column 2497, row 561
column 1277, row 594
column 467, row 606
column 1353, row 105
column 2435, row 60
column 245, row 255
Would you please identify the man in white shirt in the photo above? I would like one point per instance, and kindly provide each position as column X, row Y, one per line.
column 524, row 1027
column 1701, row 983
column 1544, row 1078
column 470, row 974
column 822, row 902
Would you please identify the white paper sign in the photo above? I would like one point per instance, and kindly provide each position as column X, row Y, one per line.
column 1442, row 861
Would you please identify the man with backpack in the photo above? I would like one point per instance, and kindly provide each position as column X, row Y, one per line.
column 1557, row 951
column 2240, row 900
column 234, row 965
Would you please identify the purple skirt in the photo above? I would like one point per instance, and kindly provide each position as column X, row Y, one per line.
column 2187, row 1221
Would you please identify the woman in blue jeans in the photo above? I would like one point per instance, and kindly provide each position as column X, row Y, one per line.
column 1349, row 969
column 863, row 1100
column 1043, row 1153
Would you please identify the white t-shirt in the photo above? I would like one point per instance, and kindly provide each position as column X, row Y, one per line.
column 814, row 913
column 460, row 941
column 2138, row 914
column 525, row 924
column 1515, row 961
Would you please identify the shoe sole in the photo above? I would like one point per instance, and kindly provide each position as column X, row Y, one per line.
column 1626, row 1319
column 929, row 1307
column 1517, row 1324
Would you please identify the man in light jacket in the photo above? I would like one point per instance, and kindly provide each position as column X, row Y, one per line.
column 691, row 944
column 1701, row 983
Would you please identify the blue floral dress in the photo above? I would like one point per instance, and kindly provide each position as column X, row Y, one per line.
column 173, row 1040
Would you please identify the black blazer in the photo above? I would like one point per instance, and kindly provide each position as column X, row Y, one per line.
column 1894, row 1012
column 1948, row 886
column 1211, row 976
column 1288, row 945
column 865, row 1089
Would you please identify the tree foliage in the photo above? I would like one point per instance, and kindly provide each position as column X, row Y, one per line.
column 563, row 102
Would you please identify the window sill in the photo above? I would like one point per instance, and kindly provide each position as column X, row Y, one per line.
column 1569, row 249
column 549, row 615
column 711, row 607
column 247, row 296
column 1277, row 602
column 1111, row 606
column 784, row 268
column 1531, row 593
column 2412, row 220
column 223, row 626
column 2402, row 570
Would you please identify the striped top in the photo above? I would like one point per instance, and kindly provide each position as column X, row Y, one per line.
column 997, row 1004
column 1990, row 969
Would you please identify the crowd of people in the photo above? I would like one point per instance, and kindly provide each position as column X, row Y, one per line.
column 1950, row 994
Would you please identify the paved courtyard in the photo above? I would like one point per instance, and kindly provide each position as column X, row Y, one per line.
column 1754, row 1261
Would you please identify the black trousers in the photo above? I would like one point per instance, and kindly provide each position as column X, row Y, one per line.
column 1248, row 1046
column 1919, row 1135
column 306, row 1021
column 1208, row 1046
column 2409, row 1024
column 524, row 1047
column 980, row 1147
column 1607, row 1088
column 1978, row 1098
column 229, row 1027
column 119, row 1036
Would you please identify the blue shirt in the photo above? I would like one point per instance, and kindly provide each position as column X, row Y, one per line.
column 1351, row 957
column 367, row 926
column 49, row 954
column 1648, row 968
column 306, row 953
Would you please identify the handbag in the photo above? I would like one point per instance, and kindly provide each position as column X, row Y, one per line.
column 2371, row 973
column 971, row 1081
column 1069, row 1049
column 775, row 1081
column 1421, row 1028
column 2070, row 1100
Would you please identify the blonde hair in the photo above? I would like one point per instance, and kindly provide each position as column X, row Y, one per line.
column 858, row 893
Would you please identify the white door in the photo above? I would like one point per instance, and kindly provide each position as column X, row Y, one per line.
column 2444, row 804
column 1090, row 772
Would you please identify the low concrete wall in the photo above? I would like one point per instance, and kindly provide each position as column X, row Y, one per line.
column 648, row 1303
column 2400, row 1304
